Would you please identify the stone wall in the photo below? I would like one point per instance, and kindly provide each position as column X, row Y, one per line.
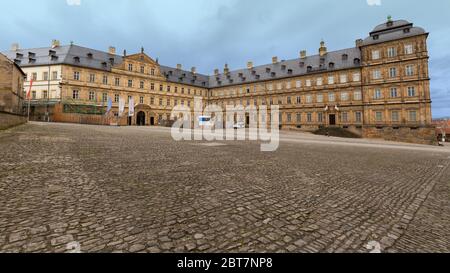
column 8, row 120
column 419, row 135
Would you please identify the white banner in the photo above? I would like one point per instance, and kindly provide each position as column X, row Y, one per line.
column 131, row 107
column 121, row 106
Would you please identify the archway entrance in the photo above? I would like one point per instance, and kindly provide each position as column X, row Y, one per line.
column 140, row 119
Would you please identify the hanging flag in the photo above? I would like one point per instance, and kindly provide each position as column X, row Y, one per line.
column 29, row 90
column 109, row 105
column 131, row 107
column 121, row 106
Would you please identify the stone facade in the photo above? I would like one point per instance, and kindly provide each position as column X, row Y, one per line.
column 382, row 82
column 11, row 99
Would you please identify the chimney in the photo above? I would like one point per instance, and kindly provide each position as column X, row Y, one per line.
column 112, row 50
column 226, row 70
column 358, row 42
column 250, row 65
column 15, row 47
column 274, row 60
column 303, row 54
column 216, row 72
column 124, row 52
column 179, row 66
column 194, row 70
column 55, row 43
column 322, row 49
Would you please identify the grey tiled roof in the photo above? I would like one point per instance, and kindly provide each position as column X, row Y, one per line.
column 395, row 31
column 290, row 68
column 184, row 77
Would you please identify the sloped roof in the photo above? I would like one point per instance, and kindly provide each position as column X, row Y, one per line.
column 391, row 31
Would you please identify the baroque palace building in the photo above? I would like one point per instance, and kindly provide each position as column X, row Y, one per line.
column 379, row 88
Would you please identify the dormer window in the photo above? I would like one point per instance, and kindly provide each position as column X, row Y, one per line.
column 217, row 78
column 268, row 70
column 204, row 83
column 302, row 64
column 290, row 71
column 406, row 30
column 231, row 80
column 241, row 75
column 356, row 61
column 253, row 72
column 273, row 74
column 54, row 58
column 170, row 72
column 309, row 68
column 257, row 77
column 111, row 61
column 390, row 24
column 31, row 55
column 31, row 60
column 283, row 67
column 104, row 64
column 19, row 55
column 344, row 57
column 51, row 52
column 322, row 60
column 76, row 59
column 243, row 79
column 376, row 37
column 331, row 65
column 90, row 55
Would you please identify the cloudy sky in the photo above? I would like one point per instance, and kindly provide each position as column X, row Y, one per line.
column 209, row 33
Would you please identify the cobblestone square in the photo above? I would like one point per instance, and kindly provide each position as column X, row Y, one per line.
column 134, row 189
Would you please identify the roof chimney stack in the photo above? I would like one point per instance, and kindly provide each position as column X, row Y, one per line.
column 303, row 54
column 112, row 50
column 322, row 49
column 15, row 47
column 274, row 60
column 194, row 70
column 55, row 43
column 124, row 52
column 216, row 72
column 179, row 66
column 359, row 42
column 226, row 70
column 250, row 65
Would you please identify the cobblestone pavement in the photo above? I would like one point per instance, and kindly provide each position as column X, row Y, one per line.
column 135, row 190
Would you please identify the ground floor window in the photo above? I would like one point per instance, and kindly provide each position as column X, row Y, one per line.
column 75, row 94
column 358, row 117
column 412, row 116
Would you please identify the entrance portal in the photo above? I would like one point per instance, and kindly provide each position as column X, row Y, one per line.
column 332, row 120
column 140, row 119
column 152, row 121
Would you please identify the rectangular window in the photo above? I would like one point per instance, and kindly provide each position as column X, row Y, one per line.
column 152, row 86
column 76, row 75
column 409, row 49
column 161, row 87
column 142, row 69
column 357, row 95
column 376, row 74
column 288, row 86
column 393, row 72
column 308, row 83
column 344, row 96
column 141, row 100
column 392, row 52
column 45, row 94
column 91, row 95
column 395, row 117
column 75, row 94
column 319, row 81
column 377, row 94
column 289, row 100
column 160, row 102
column 375, row 54
column 130, row 67
column 91, row 77
column 331, row 97
column 394, row 92
column 345, row 117
column 289, row 117
column 105, row 97
column 116, row 98
column 330, row 80
column 309, row 117
column 152, row 101
column 356, row 77
column 279, row 86
column 168, row 88
column 299, row 100
column 309, row 99
column 343, row 78
column 320, row 117
column 152, row 72
column 358, row 117
column 34, row 76
column 130, row 83
column 298, row 84
column 45, row 76
column 54, row 75
column 33, row 95
column 411, row 91
column 319, row 98
column 412, row 116
column 105, row 79
column 141, row 85
column 299, row 117
column 117, row 81
column 379, row 116
column 409, row 70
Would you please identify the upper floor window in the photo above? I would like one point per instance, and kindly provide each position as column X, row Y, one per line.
column 319, row 81
column 392, row 52
column 330, row 80
column 152, row 71
column 298, row 84
column 91, row 77
column 377, row 94
column 413, row 116
column 356, row 77
column 319, row 98
column 54, row 75
column 45, row 76
column 34, row 76
column 105, row 97
column 375, row 55
column 357, row 95
column 411, row 91
column 288, row 86
column 130, row 67
column 309, row 99
column 76, row 75
column 393, row 72
column 91, row 95
column 279, row 86
column 117, row 81
column 142, row 69
column 331, row 97
column 394, row 93
column 105, row 79
column 379, row 116
column 376, row 74
column 130, row 83
column 409, row 49
column 344, row 96
column 75, row 94
column 308, row 83
column 141, row 85
column 116, row 98
column 343, row 78
column 409, row 70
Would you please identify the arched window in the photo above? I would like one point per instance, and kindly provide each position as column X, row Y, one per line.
column 356, row 61
column 331, row 65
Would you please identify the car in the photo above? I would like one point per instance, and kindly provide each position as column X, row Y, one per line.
column 239, row 125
